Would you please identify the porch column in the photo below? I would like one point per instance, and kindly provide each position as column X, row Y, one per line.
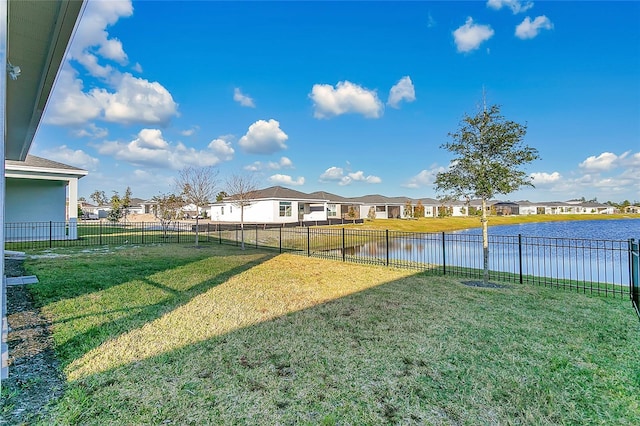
column 72, row 208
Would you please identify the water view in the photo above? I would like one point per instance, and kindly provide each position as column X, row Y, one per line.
column 590, row 251
column 614, row 229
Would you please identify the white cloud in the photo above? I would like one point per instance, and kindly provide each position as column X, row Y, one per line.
column 152, row 150
column 92, row 36
column 603, row 162
column 222, row 148
column 91, row 131
column 242, row 99
column 345, row 98
column 425, row 178
column 530, row 29
column 543, row 178
column 516, row 6
column 264, row 137
column 470, row 36
column 76, row 158
column 69, row 104
column 283, row 163
column 337, row 174
column 137, row 100
column 279, row 179
column 190, row 132
column 402, row 91
column 123, row 98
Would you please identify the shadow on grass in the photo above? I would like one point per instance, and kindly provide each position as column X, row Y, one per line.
column 94, row 284
column 419, row 350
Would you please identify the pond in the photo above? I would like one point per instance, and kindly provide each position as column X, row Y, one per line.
column 580, row 251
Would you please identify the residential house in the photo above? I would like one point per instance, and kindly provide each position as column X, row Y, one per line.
column 275, row 204
column 39, row 191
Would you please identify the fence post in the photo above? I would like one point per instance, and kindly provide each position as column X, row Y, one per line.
column 50, row 233
column 387, row 240
column 256, row 235
column 444, row 256
column 344, row 248
column 100, row 233
column 308, row 241
column 142, row 232
column 219, row 234
column 280, row 239
column 520, row 255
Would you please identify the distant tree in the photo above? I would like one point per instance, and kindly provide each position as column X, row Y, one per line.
column 125, row 202
column 82, row 199
column 221, row 195
column 99, row 197
column 116, row 212
column 242, row 189
column 197, row 186
column 418, row 210
column 488, row 153
column 372, row 213
column 167, row 209
column 408, row 209
column 351, row 213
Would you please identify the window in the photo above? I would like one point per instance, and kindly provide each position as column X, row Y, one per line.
column 222, row 210
column 332, row 210
column 285, row 208
column 230, row 209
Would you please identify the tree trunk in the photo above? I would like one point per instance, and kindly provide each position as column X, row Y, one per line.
column 242, row 226
column 197, row 226
column 485, row 243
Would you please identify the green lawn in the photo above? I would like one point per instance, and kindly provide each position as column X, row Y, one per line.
column 176, row 335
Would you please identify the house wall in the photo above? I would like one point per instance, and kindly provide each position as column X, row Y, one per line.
column 527, row 210
column 30, row 200
column 262, row 211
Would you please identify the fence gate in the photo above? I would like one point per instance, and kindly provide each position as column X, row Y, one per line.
column 634, row 273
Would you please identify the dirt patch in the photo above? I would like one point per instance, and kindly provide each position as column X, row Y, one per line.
column 34, row 374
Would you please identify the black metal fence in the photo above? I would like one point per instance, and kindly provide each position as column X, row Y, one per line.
column 634, row 260
column 604, row 267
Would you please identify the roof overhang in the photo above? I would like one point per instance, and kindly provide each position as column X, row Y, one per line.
column 42, row 173
column 38, row 33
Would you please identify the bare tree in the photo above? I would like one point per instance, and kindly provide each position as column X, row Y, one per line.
column 198, row 186
column 167, row 209
column 242, row 189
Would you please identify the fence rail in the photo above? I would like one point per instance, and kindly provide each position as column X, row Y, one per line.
column 604, row 267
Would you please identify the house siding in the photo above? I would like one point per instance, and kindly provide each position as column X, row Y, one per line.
column 20, row 197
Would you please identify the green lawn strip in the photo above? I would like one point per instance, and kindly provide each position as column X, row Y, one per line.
column 447, row 224
column 294, row 340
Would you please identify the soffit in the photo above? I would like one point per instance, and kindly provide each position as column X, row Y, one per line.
column 37, row 38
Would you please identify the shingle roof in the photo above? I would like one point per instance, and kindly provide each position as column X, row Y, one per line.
column 280, row 192
column 39, row 162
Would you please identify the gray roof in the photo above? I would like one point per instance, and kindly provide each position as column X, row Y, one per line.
column 43, row 163
column 328, row 196
column 279, row 192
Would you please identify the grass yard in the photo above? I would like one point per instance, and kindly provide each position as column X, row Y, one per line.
column 177, row 335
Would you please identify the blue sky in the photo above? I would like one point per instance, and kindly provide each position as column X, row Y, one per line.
column 352, row 98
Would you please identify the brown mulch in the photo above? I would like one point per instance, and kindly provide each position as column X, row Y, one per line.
column 34, row 374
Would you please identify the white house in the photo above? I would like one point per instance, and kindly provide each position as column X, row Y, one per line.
column 37, row 191
column 272, row 205
column 34, row 36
